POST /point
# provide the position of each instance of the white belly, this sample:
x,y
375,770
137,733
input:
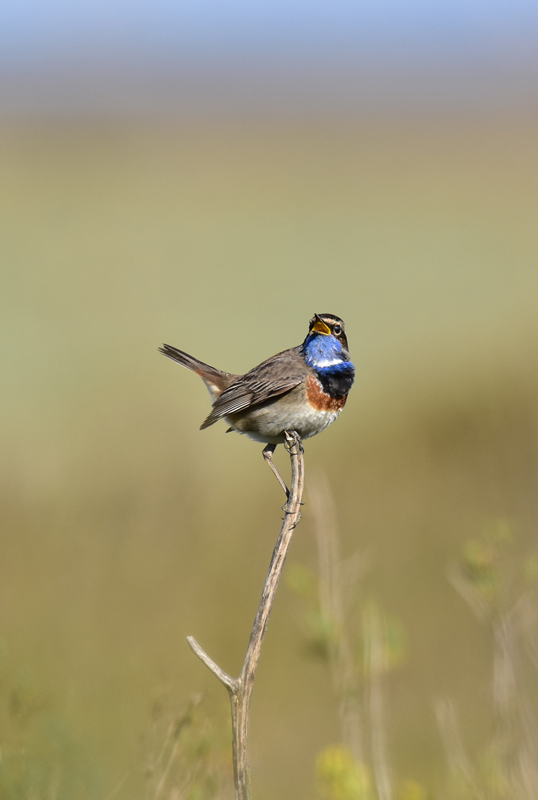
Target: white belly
x,y
267,424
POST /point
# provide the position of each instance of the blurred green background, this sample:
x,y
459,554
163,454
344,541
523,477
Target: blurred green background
x,y
125,529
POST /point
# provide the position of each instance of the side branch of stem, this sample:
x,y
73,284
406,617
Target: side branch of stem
x,y
240,689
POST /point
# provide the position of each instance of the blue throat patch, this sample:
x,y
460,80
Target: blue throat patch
x,y
325,354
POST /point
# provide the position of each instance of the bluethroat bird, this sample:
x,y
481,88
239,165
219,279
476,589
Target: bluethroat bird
x,y
303,389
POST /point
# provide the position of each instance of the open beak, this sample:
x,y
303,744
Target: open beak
x,y
320,327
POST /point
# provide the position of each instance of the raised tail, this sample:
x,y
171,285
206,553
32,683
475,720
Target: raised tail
x,y
215,379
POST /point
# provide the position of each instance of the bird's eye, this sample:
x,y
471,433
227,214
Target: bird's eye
x,y
337,330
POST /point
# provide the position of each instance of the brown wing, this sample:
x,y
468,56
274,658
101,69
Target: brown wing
x,y
274,377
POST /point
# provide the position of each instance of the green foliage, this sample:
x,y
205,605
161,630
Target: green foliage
x,y
383,631
341,777
184,755
487,780
411,790
493,570
40,757
530,570
495,580
324,634
483,560
302,581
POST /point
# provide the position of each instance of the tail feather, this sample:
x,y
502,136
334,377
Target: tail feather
x,y
215,379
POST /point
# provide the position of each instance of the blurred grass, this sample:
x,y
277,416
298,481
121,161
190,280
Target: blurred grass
x,y
125,529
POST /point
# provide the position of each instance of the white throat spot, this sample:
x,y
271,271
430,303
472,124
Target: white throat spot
x,y
327,362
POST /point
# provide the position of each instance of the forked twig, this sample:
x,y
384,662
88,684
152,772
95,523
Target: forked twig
x,y
240,689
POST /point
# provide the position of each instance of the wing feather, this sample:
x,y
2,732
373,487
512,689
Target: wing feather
x,y
274,377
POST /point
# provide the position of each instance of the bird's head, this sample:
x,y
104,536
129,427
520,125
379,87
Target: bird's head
x,y
328,325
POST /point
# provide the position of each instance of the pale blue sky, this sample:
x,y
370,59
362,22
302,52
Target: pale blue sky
x,y
48,28
68,54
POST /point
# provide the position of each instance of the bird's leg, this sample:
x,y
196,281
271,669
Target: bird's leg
x,y
267,453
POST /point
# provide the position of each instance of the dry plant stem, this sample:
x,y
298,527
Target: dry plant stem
x,y
240,689
377,666
337,583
